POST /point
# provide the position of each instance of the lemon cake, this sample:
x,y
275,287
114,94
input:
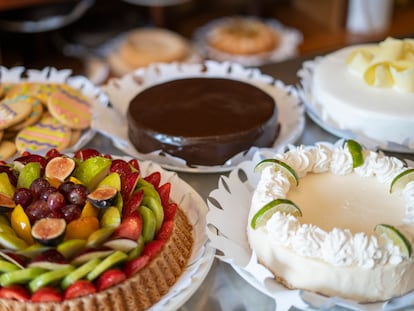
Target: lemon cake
x,y
336,220
372,92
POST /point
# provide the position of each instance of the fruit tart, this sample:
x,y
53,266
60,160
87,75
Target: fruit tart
x,y
87,232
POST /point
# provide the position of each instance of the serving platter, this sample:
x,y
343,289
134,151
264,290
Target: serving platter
x,y
229,206
111,120
289,40
21,74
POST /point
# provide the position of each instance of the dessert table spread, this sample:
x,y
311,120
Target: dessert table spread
x,y
223,288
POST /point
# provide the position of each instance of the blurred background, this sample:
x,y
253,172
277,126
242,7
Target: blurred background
x,y
68,33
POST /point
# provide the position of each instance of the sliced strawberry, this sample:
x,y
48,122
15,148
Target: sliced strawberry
x,y
152,248
165,230
164,192
135,265
107,155
110,278
84,154
154,178
134,201
52,153
135,164
47,294
129,184
15,292
121,167
169,211
79,288
130,227
25,153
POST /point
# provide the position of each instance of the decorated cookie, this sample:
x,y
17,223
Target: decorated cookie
x,y
7,149
74,137
70,108
14,110
32,118
45,134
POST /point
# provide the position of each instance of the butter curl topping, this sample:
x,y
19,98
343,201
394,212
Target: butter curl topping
x,y
389,64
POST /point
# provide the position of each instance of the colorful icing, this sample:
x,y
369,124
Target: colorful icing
x,y
45,134
70,108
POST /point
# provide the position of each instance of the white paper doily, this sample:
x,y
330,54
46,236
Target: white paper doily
x,y
53,75
111,121
314,111
202,256
290,39
229,206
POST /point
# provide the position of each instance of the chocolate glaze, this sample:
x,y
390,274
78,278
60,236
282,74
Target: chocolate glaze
x,y
205,121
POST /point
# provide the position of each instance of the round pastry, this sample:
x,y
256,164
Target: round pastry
x,y
339,220
87,233
242,36
361,98
204,121
145,46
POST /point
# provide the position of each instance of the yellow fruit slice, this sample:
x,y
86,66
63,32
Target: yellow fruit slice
x,y
278,205
81,228
401,180
280,165
21,224
396,237
355,149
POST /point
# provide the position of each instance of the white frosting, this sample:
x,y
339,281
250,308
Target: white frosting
x,y
336,196
382,114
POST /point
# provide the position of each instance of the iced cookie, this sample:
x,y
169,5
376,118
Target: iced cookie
x,y
45,134
32,118
7,149
14,110
70,108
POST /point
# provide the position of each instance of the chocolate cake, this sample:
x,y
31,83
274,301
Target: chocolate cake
x,y
204,121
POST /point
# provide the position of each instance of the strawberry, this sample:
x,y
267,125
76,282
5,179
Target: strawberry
x,y
134,163
47,294
165,230
110,278
154,178
152,248
121,167
84,154
131,206
135,265
129,228
129,184
53,153
15,292
79,288
164,192
169,211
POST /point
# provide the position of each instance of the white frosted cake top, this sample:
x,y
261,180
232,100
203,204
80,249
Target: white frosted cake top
x,y
346,196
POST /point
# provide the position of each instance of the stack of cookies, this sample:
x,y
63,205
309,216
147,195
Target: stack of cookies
x,y
37,116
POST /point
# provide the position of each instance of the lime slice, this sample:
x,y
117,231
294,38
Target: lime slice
x,y
401,180
282,166
355,149
396,237
279,205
